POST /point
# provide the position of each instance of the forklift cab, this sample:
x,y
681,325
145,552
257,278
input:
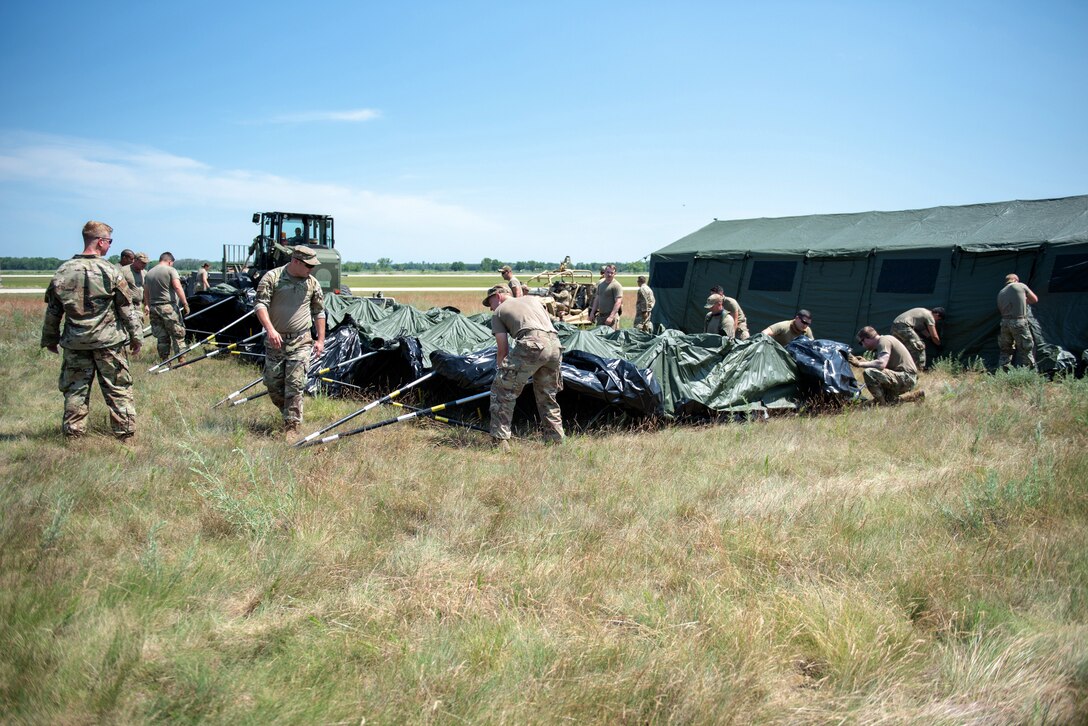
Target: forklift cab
x,y
282,231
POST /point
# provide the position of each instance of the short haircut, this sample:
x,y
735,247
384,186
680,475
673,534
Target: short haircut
x,y
802,313
1011,277
717,290
206,264
867,332
938,311
642,279
166,256
127,252
93,230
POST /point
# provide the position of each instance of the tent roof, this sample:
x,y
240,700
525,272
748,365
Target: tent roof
x,y
976,226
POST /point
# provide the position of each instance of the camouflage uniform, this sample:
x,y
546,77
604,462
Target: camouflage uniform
x,y
898,376
563,300
135,281
93,298
644,306
907,327
1015,336
535,353
166,324
292,303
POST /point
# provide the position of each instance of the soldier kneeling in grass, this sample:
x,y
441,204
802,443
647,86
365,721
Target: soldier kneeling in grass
x,y
892,374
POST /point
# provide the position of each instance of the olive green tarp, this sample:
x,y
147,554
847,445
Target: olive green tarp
x,y
697,373
852,270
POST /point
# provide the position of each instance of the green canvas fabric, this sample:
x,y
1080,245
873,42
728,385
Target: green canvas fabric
x,y
852,270
697,373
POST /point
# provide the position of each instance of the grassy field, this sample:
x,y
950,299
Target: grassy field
x,y
919,564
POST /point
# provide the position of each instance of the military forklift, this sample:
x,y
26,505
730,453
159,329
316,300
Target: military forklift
x,y
243,266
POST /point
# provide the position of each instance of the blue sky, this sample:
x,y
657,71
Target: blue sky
x,y
442,131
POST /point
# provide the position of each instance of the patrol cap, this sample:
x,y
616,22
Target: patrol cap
x,y
142,257
494,289
307,255
713,300
505,268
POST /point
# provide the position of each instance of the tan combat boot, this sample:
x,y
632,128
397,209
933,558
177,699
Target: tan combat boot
x,y
916,396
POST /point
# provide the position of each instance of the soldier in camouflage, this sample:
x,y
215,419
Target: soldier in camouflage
x,y
507,273
644,306
289,303
162,295
914,325
93,298
892,372
535,354
717,321
1015,339
133,273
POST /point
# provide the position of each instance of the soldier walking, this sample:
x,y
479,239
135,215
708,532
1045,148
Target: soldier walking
x,y
163,294
536,354
644,306
507,273
92,297
133,273
289,304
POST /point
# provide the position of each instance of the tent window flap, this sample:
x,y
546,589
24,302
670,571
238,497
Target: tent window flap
x,y
669,274
1070,274
772,275
915,277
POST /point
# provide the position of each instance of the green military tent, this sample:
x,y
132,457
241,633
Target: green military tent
x,y
852,270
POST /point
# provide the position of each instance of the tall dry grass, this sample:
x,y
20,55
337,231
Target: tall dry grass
x,y
917,564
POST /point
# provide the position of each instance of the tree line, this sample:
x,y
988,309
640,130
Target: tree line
x,y
383,264
487,264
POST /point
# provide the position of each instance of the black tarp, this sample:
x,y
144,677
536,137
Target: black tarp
x,y
823,371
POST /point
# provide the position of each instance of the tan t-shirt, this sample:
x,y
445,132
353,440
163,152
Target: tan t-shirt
x,y
784,333
899,359
292,302
732,306
519,315
607,294
159,284
1012,301
918,318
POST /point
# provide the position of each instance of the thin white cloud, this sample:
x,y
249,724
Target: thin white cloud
x,y
355,116
119,176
